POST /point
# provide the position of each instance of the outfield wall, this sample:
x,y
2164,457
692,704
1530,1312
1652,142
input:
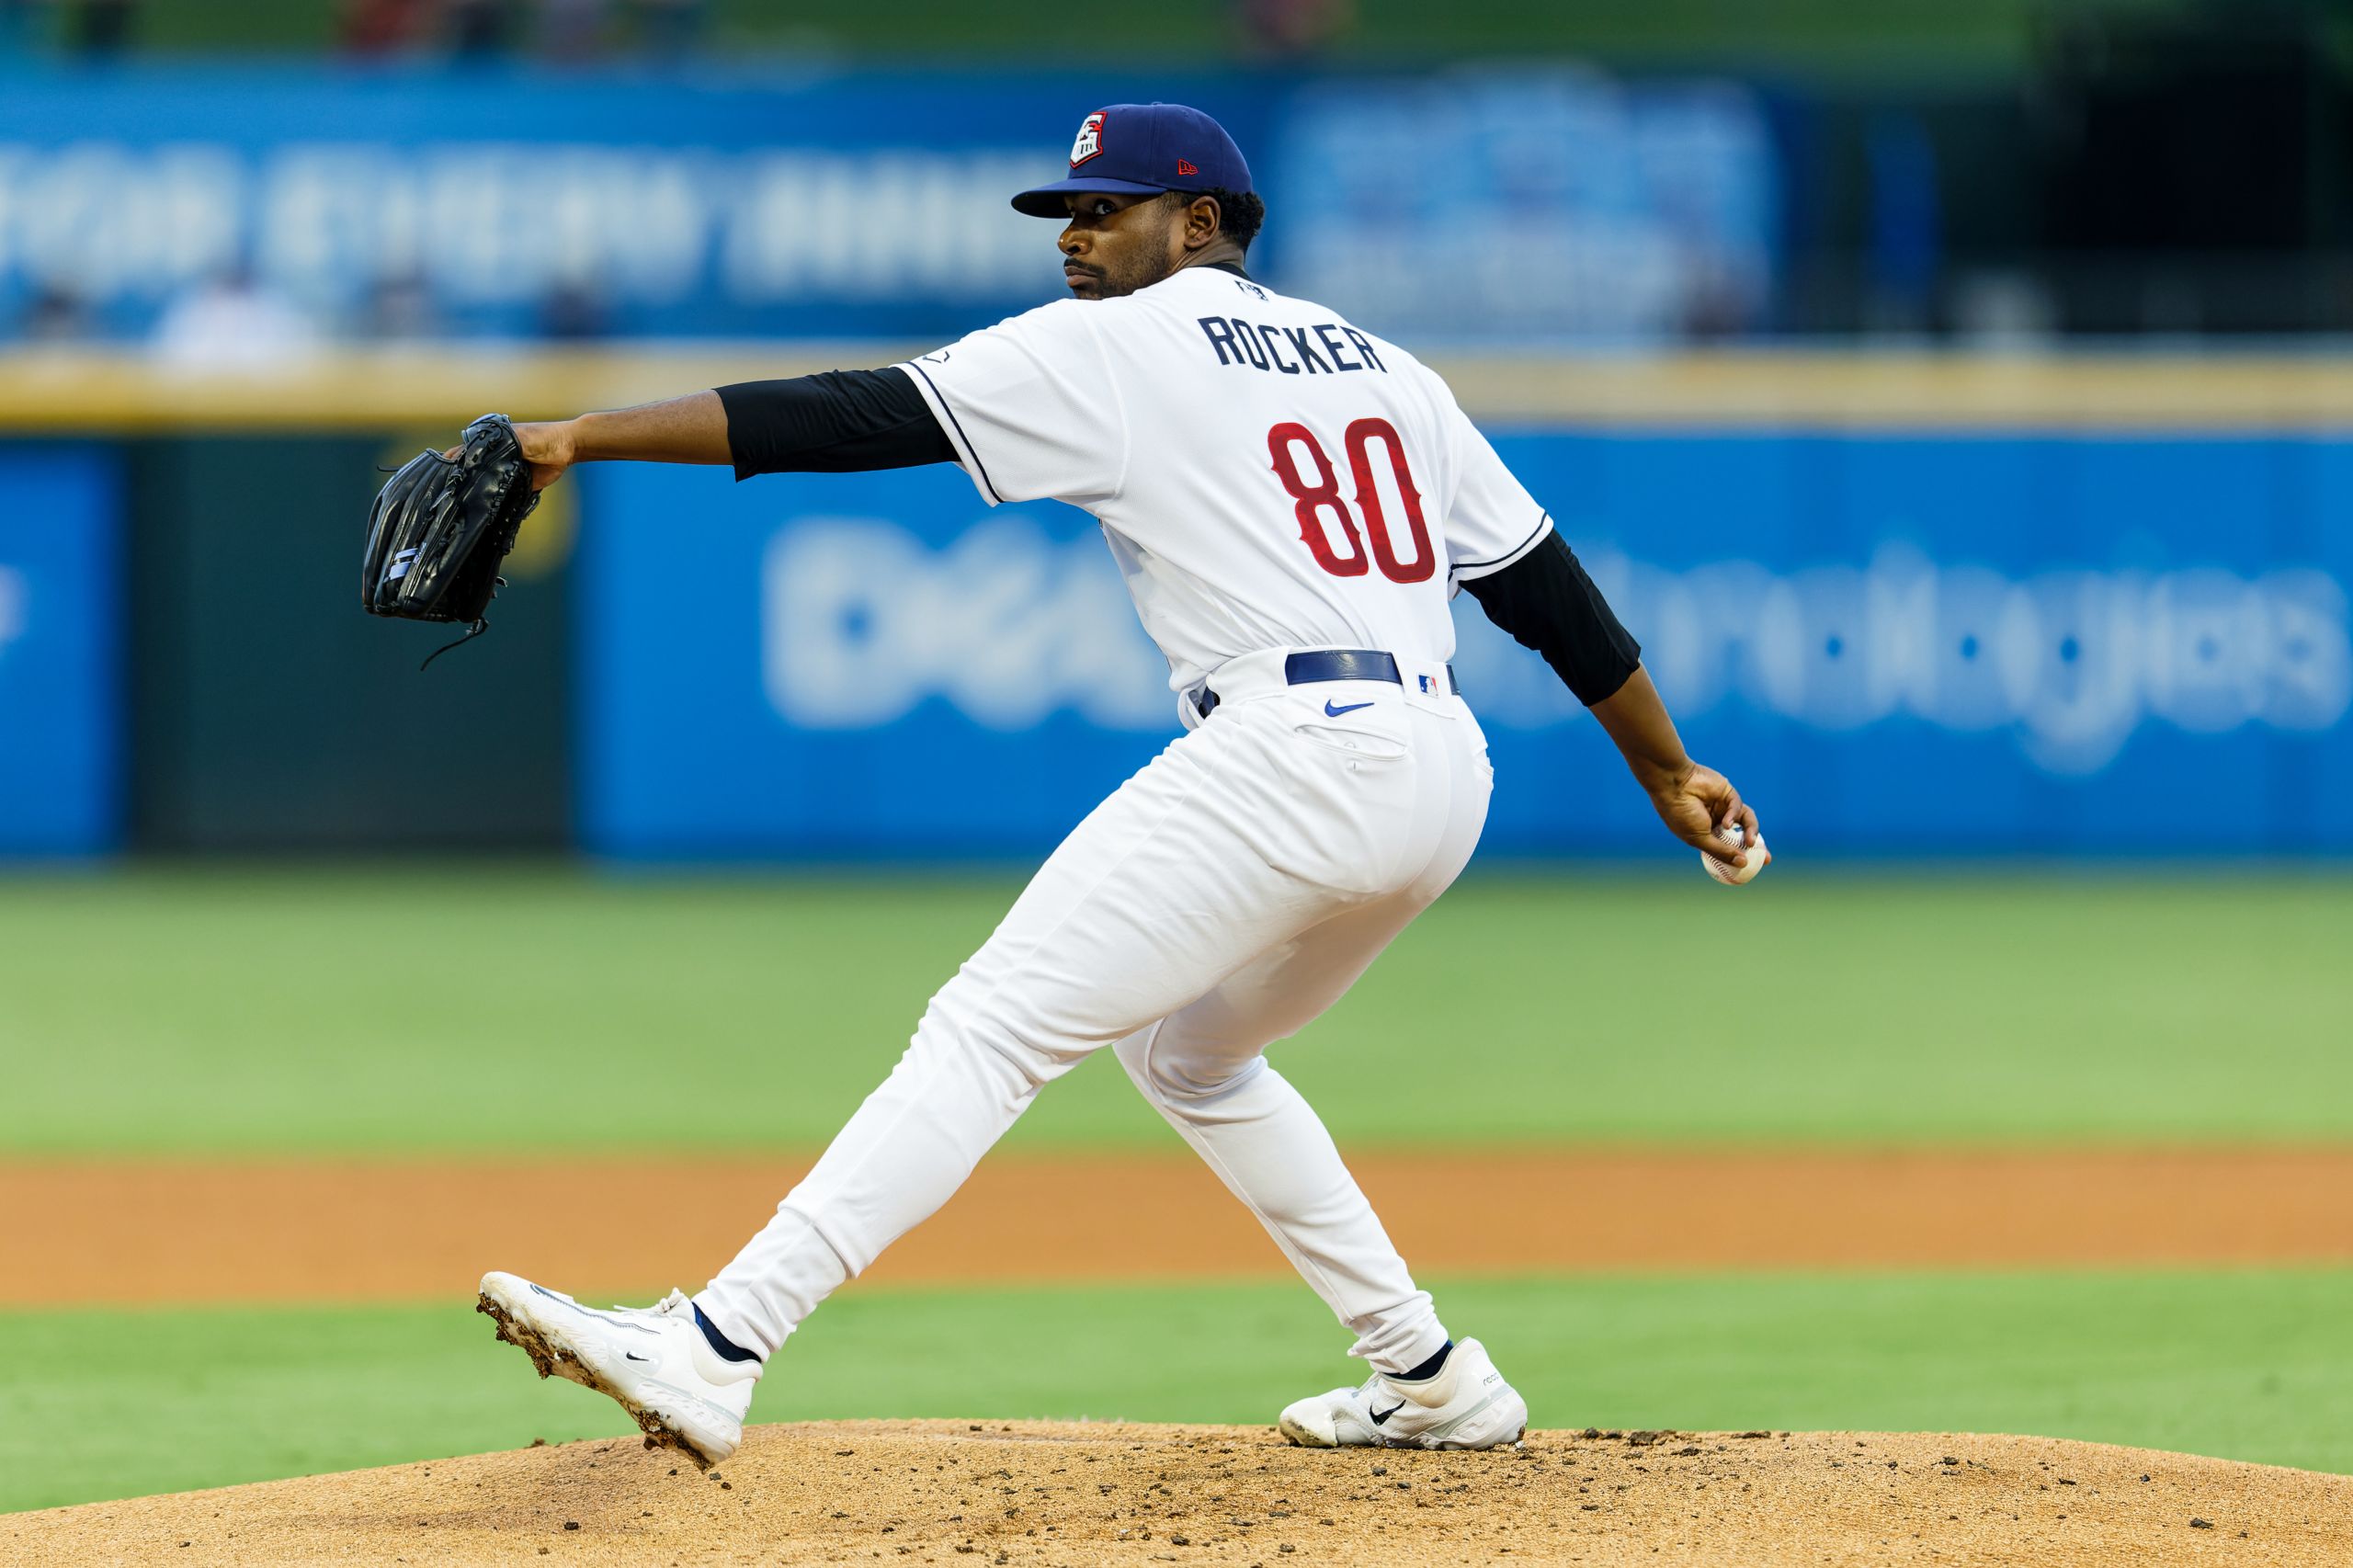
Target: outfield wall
x,y
2015,607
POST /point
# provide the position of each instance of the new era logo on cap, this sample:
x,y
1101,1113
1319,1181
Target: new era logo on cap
x,y
1184,169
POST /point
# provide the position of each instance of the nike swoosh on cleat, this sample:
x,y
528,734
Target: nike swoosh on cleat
x,y
633,1356
1332,712
1380,1416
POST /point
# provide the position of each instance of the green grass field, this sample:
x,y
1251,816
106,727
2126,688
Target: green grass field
x,y
2247,1366
335,1010
339,1011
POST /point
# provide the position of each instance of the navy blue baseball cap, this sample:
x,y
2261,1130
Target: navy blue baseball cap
x,y
1143,150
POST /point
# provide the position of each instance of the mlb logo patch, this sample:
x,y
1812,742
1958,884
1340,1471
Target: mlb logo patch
x,y
1090,140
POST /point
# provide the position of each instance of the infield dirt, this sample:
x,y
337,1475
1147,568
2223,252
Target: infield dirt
x,y
182,1231
1037,1493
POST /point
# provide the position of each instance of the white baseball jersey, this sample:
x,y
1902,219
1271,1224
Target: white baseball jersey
x,y
1267,474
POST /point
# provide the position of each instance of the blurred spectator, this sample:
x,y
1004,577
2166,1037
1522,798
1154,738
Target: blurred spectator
x,y
233,322
477,29
574,29
386,27
667,29
99,29
570,312
1715,306
56,315
2005,311
1292,26
398,309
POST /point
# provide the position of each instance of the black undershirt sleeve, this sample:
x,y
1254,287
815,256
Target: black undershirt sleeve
x,y
1546,602
838,422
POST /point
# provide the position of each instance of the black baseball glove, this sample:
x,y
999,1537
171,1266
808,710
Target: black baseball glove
x,y
441,525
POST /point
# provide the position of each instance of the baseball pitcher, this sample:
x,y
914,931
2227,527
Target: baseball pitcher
x,y
1293,501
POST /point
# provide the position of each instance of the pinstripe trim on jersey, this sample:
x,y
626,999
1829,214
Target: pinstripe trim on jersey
x,y
939,401
1465,571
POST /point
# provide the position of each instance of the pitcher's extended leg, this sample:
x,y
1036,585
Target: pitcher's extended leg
x,y
1158,895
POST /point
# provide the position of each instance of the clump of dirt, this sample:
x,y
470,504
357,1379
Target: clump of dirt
x,y
1044,1494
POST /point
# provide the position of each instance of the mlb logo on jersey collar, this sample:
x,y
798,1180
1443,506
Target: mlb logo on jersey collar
x,y
1143,150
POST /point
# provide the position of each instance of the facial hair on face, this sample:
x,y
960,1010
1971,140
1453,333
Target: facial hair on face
x,y
1136,273
1141,262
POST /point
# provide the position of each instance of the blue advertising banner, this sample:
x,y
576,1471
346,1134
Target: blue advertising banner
x,y
1510,204
1948,643
859,665
1959,643
60,789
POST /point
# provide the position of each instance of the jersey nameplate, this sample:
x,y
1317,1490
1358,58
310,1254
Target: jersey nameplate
x,y
1292,350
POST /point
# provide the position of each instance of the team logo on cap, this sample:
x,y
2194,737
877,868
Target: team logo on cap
x,y
1090,140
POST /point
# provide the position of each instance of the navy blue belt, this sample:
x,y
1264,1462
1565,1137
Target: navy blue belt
x,y
1334,663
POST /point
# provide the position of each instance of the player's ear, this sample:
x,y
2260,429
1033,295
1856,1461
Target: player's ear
x,y
1202,222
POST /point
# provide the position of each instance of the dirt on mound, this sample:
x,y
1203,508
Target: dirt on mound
x,y
1038,1494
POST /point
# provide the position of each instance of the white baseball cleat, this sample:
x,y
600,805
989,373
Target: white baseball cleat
x,y
654,1360
1467,1405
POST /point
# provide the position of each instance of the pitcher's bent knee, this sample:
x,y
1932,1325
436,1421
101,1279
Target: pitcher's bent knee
x,y
1161,1066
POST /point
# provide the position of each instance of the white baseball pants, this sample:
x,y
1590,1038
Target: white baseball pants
x,y
1218,900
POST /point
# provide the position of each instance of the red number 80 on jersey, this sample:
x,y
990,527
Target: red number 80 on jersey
x,y
1323,538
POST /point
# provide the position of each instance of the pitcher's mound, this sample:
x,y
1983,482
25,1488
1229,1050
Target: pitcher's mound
x,y
952,1491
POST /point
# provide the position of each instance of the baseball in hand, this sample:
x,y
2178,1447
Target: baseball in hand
x,y
1733,876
